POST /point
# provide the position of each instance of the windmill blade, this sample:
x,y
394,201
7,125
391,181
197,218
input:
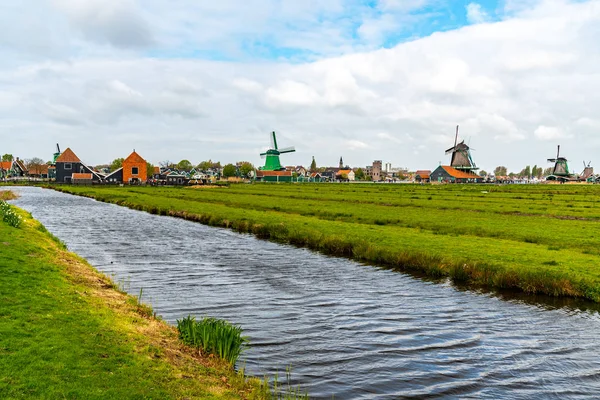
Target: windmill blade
x,y
273,141
552,160
287,150
263,155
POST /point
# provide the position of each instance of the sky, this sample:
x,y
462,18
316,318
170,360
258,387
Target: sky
x,y
360,79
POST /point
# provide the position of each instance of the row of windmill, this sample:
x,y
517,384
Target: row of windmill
x,y
461,159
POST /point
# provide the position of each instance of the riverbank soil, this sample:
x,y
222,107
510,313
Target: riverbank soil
x,y
66,331
532,238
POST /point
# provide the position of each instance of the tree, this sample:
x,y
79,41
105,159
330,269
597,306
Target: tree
x,y
500,171
540,172
359,175
116,164
204,165
527,172
548,171
184,165
149,169
246,168
483,173
534,171
167,164
313,165
229,170
7,157
34,165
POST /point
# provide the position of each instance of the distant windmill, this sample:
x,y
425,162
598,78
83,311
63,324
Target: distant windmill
x,y
561,169
57,154
588,170
461,155
271,156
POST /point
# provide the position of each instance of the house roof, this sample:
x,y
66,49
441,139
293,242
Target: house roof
x,y
157,170
423,172
6,165
134,158
39,169
315,174
459,174
81,176
114,172
344,171
20,164
260,173
67,156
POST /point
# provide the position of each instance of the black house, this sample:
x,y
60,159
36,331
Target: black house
x,y
68,164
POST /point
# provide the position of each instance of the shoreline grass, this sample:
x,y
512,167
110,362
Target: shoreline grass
x,y
65,331
539,240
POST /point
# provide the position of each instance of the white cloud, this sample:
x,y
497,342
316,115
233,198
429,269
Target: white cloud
x,y
550,133
475,14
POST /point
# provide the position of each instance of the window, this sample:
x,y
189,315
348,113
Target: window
x,y
68,166
134,170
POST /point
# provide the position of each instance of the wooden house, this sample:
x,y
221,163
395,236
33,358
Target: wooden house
x,y
114,177
68,164
446,173
12,169
176,179
422,175
274,176
345,175
134,169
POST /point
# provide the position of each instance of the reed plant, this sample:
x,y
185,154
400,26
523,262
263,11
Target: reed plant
x,y
213,336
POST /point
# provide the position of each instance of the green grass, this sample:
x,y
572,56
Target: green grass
x,y
538,239
65,332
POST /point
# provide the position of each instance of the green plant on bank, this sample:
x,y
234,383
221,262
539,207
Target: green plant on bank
x,y
9,215
213,336
481,235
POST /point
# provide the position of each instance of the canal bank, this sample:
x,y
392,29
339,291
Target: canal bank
x,y
66,330
349,330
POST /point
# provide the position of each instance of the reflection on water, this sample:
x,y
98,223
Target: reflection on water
x,y
347,329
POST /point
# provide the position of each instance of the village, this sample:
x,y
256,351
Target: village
x,y
67,167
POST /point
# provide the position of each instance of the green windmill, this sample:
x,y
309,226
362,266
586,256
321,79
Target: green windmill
x,y
271,156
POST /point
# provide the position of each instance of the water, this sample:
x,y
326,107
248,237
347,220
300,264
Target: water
x,y
349,330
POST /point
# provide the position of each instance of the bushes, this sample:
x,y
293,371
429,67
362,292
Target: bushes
x,y
213,336
8,215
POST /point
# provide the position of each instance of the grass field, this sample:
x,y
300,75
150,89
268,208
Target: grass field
x,y
538,239
66,332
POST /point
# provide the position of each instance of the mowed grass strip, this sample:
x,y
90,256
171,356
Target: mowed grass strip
x,y
535,253
65,332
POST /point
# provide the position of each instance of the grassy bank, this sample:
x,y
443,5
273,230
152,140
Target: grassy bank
x,y
538,239
66,332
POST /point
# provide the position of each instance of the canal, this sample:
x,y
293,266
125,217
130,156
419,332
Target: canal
x,y
349,330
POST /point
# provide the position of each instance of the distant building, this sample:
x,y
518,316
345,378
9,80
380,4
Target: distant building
x,y
274,176
134,169
375,171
